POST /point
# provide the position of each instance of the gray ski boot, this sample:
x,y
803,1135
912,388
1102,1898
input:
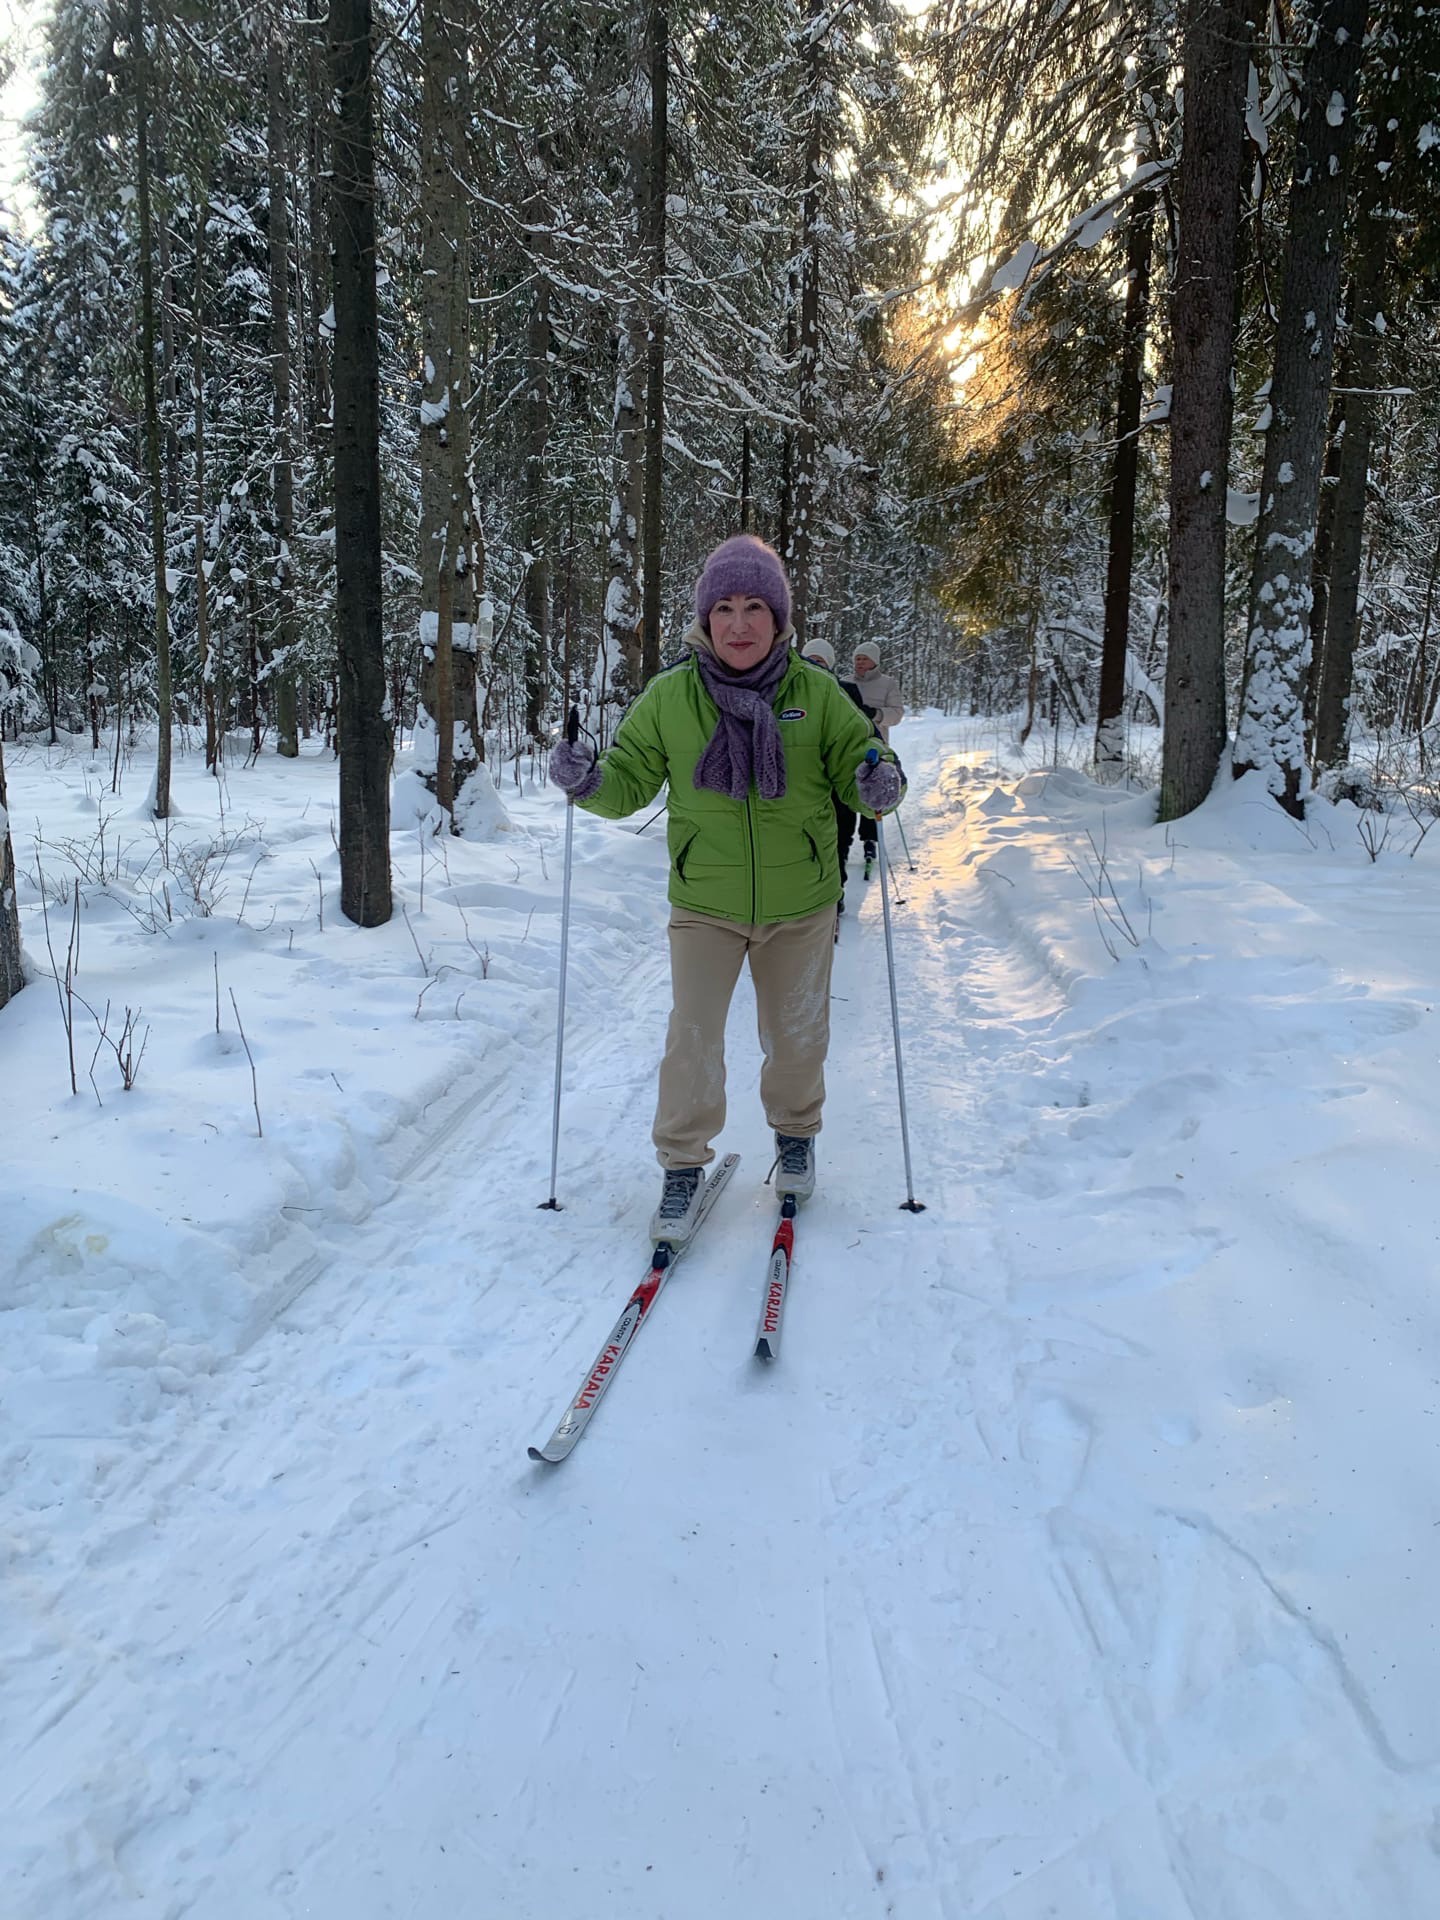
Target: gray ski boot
x,y
674,1218
794,1165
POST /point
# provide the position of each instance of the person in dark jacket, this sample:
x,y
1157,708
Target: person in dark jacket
x,y
820,653
754,745
881,695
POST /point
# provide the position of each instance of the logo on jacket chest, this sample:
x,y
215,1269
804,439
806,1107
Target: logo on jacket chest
x,y
792,713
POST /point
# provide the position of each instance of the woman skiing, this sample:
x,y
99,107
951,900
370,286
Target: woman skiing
x,y
754,744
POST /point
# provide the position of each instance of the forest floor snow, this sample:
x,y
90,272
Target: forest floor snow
x,y
1079,1557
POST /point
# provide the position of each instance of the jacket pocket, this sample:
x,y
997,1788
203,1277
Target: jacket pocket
x,y
682,853
814,850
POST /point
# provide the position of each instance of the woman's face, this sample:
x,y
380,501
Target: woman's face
x,y
742,630
864,664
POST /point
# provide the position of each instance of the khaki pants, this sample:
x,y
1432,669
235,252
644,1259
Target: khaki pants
x,y
790,964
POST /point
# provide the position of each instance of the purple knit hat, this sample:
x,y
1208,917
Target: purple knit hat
x,y
744,565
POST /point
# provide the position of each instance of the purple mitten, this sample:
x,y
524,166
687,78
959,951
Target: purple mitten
x,y
575,769
877,782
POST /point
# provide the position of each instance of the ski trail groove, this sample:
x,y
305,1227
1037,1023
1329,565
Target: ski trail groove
x,y
910,1629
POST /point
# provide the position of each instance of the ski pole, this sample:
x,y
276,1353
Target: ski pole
x,y
909,857
909,1204
572,734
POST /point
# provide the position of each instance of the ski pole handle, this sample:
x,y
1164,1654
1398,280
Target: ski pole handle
x,y
572,726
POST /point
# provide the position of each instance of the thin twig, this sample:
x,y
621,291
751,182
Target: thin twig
x,y
424,964
254,1080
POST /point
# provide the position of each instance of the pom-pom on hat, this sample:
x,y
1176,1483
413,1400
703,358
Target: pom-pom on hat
x,y
867,650
740,566
820,650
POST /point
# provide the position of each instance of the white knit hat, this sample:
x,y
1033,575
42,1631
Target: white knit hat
x,y
867,650
819,650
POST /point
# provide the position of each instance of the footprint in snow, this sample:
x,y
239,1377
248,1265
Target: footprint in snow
x,y
1055,1439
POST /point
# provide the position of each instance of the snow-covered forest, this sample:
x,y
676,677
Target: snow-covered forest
x,y
374,380
910,294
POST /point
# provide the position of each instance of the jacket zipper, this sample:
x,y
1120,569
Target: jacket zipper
x,y
754,873
750,830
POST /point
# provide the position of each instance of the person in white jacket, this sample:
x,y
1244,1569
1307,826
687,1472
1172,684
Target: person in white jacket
x,y
880,694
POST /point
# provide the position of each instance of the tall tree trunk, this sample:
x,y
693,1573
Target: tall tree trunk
x,y
287,740
1324,553
1270,734
1426,683
442,689
537,524
465,534
446,582
1032,679
567,665
141,59
624,590
94,685
786,479
43,637
318,398
624,609
1120,564
363,732
624,615
257,695
1341,624
478,361
202,582
657,187
747,504
1216,43
168,389
803,485
538,216
12,974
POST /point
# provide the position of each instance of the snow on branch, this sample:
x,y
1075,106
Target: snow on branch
x,y
1084,231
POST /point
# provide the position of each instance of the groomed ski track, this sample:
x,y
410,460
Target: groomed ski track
x,y
898,1627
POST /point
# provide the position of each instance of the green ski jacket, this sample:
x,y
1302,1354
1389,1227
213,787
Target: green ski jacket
x,y
754,860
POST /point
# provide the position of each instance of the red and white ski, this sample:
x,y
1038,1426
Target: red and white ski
x,y
577,1416
777,1283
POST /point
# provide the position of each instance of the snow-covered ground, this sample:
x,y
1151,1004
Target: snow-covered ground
x,y
1079,1558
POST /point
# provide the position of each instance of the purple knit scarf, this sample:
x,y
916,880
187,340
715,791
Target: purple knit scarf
x,y
746,742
